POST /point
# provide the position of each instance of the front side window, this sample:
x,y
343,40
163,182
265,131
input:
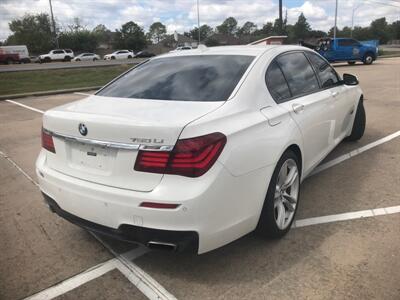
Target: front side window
x,y
298,73
184,78
277,84
348,42
325,72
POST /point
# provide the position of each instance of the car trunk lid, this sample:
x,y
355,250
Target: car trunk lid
x,y
116,128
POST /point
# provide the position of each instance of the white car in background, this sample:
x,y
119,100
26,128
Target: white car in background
x,y
194,149
86,57
57,55
120,54
181,48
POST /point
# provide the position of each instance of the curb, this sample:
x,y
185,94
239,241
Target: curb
x,y
52,92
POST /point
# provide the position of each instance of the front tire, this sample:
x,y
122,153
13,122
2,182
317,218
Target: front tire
x,y
368,59
351,63
358,129
281,203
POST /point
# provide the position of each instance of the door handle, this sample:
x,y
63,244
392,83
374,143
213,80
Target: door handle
x,y
298,108
335,93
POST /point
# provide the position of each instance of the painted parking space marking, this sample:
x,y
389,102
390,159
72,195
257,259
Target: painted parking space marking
x,y
353,153
347,216
75,281
25,106
82,94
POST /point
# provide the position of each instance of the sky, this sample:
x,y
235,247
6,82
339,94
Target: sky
x,y
181,15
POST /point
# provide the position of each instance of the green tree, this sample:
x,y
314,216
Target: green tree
x,y
81,40
394,30
301,29
379,30
156,32
130,36
229,26
248,28
34,31
205,32
102,33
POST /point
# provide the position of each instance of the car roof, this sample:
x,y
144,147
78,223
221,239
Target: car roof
x,y
251,50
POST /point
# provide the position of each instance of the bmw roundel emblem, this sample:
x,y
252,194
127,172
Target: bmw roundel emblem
x,y
82,129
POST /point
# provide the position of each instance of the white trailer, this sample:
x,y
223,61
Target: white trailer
x,y
21,50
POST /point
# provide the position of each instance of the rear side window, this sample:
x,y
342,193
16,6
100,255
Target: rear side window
x,y
347,42
325,72
184,78
276,83
298,73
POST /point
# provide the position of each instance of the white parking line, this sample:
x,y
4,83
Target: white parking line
x,y
25,106
75,281
82,94
353,153
348,216
2,154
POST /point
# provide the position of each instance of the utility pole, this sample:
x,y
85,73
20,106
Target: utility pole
x,y
334,28
54,24
198,19
280,18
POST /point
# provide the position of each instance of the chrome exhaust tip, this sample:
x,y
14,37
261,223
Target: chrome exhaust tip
x,y
162,246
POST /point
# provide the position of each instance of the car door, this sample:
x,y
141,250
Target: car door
x,y
348,49
59,54
310,106
342,105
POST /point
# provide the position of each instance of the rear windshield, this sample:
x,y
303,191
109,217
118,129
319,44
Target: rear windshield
x,y
185,78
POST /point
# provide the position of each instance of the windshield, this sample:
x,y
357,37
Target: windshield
x,y
185,78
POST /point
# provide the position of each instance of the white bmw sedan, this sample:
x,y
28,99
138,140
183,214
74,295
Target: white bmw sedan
x,y
194,149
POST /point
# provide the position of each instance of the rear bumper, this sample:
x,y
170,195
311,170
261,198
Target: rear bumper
x,y
214,209
183,240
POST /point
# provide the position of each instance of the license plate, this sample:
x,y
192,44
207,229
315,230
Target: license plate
x,y
85,156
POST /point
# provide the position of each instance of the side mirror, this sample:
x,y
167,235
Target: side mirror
x,y
349,79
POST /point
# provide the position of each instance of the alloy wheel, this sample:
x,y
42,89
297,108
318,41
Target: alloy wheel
x,y
286,194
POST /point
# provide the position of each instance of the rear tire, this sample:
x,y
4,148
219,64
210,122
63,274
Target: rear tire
x,y
283,194
359,123
129,56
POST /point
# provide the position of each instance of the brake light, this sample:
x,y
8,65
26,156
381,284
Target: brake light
x,y
190,157
47,141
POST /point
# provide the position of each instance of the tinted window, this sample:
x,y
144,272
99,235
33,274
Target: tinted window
x,y
58,51
325,72
298,73
348,42
276,83
185,78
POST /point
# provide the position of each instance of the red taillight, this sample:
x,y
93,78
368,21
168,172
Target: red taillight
x,y
47,141
190,157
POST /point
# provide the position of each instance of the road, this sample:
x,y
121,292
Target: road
x,y
67,65
351,252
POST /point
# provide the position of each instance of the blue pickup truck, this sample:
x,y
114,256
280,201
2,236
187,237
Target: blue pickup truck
x,y
347,49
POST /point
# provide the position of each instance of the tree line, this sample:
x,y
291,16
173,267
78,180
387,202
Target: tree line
x,y
35,32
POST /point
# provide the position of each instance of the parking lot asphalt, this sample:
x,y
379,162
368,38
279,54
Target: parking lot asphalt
x,y
355,258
